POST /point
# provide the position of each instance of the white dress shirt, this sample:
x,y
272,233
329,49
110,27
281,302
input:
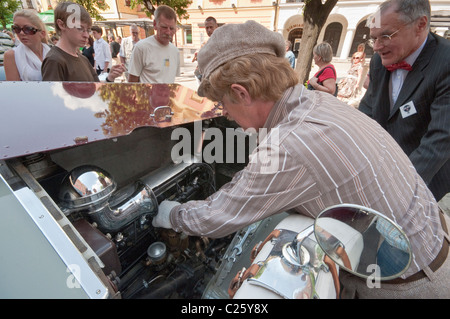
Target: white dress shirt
x,y
398,76
102,53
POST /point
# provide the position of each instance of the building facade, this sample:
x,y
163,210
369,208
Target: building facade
x,y
344,30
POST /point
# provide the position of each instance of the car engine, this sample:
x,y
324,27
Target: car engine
x,y
104,188
139,259
114,214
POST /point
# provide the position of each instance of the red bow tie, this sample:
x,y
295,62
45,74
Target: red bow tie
x,y
401,65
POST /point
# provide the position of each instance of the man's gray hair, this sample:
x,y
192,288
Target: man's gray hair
x,y
166,11
409,10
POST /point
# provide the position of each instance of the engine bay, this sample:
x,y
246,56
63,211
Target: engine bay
x,y
101,163
113,212
139,259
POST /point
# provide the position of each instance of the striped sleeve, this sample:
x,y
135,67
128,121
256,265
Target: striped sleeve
x,y
258,191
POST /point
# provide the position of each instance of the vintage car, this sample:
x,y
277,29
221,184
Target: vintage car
x,y
83,168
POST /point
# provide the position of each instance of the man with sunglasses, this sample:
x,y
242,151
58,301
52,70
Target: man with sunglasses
x,y
409,90
65,62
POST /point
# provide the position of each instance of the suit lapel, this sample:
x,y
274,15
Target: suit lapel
x,y
415,77
384,98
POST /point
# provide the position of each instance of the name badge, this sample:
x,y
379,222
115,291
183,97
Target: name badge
x,y
408,109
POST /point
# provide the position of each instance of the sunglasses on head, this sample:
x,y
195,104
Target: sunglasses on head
x,y
26,29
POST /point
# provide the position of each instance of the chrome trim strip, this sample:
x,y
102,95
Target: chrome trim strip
x,y
58,239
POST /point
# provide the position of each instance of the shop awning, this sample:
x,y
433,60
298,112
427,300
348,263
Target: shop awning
x,y
48,17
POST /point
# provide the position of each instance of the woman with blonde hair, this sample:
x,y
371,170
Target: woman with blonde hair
x,y
23,63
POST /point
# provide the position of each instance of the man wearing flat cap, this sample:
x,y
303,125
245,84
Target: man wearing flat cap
x,y
318,152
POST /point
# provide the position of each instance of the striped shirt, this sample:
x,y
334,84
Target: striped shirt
x,y
5,44
327,153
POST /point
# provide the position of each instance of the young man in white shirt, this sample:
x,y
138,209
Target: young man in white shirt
x,y
102,51
155,59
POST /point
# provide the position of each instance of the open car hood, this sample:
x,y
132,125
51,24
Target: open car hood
x,y
43,116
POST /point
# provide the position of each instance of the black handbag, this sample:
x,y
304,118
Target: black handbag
x,y
309,87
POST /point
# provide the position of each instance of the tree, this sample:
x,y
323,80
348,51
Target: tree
x,y
93,7
315,14
7,9
178,5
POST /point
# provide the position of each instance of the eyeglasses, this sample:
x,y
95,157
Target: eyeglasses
x,y
82,30
384,39
28,30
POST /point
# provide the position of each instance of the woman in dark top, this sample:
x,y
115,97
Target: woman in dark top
x,y
88,50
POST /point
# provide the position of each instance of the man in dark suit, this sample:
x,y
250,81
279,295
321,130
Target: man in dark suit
x,y
412,103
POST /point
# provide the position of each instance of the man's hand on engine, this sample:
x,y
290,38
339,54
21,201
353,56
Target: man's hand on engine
x,y
162,219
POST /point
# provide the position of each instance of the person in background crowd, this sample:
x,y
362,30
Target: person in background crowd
x,y
156,59
88,51
289,54
349,85
102,51
54,39
65,62
115,49
317,152
127,46
361,52
23,63
210,26
119,40
6,43
325,79
409,88
15,39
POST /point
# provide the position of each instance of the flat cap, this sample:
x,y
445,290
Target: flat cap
x,y
234,40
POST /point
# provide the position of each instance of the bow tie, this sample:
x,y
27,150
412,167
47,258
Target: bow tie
x,y
401,65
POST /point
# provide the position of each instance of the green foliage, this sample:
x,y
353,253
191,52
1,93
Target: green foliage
x,y
93,7
7,9
131,105
180,6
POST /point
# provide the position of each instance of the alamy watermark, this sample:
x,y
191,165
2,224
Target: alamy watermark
x,y
214,145
74,19
374,21
74,273
373,281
